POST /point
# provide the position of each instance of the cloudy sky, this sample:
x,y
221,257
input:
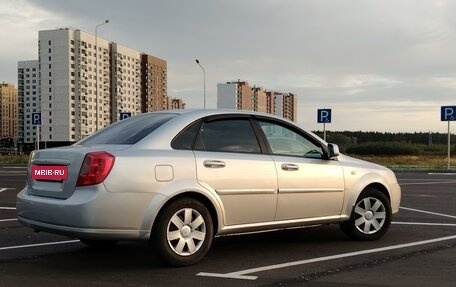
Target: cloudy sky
x,y
386,65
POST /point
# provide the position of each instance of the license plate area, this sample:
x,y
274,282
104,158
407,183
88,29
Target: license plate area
x,y
56,173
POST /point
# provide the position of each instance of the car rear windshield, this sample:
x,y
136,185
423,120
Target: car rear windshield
x,y
128,131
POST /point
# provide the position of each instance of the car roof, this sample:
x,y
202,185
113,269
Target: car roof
x,y
210,112
164,134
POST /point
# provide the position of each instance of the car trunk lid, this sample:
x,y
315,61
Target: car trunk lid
x,y
69,158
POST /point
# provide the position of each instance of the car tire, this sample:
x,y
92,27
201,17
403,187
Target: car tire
x,y
99,244
370,217
183,232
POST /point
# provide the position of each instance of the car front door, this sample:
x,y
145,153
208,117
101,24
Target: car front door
x,y
230,161
310,186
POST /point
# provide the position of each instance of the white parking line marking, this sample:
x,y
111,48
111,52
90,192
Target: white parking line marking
x,y
429,182
419,179
241,274
423,223
427,212
11,167
38,244
444,173
5,220
5,189
7,208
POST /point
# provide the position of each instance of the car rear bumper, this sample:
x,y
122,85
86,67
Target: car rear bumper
x,y
90,213
86,233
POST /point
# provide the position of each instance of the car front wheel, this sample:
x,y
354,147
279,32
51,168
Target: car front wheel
x,y
370,218
183,232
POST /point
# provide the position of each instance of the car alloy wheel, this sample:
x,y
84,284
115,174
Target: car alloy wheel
x,y
183,232
370,214
186,231
370,217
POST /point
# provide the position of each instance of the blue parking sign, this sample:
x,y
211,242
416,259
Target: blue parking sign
x,y
323,116
448,113
125,115
36,119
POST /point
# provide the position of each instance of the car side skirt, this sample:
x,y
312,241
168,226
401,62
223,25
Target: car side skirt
x,y
283,224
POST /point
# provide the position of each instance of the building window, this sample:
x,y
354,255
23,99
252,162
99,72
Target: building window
x,y
49,44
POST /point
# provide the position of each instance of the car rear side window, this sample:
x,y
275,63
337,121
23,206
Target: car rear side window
x,y
185,139
228,135
128,131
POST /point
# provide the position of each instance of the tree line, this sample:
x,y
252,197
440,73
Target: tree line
x,y
385,143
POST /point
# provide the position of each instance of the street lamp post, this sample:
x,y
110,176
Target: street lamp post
x,y
204,82
96,69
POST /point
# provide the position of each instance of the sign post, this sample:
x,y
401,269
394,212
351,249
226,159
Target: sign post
x,y
324,117
448,114
36,121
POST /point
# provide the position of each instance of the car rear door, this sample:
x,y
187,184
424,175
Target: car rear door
x,y
230,161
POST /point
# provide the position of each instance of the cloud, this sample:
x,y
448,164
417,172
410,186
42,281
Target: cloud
x,y
341,54
20,22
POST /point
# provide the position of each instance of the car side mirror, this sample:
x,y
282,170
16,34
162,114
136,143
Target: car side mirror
x,y
333,151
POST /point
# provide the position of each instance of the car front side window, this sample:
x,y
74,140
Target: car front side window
x,y
285,141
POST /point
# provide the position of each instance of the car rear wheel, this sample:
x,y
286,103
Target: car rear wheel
x,y
183,232
370,218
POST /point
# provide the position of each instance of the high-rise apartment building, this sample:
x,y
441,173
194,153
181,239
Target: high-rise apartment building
x,y
260,100
154,84
29,101
285,105
8,110
83,83
234,95
126,81
70,106
177,104
239,95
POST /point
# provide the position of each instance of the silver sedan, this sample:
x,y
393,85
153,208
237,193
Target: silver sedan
x,y
179,178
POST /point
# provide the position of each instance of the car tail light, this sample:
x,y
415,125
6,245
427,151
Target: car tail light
x,y
95,168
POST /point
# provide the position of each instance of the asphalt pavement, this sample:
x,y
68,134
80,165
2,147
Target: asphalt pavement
x,y
418,250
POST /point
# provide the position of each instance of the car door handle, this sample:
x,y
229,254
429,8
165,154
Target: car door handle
x,y
290,166
214,163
